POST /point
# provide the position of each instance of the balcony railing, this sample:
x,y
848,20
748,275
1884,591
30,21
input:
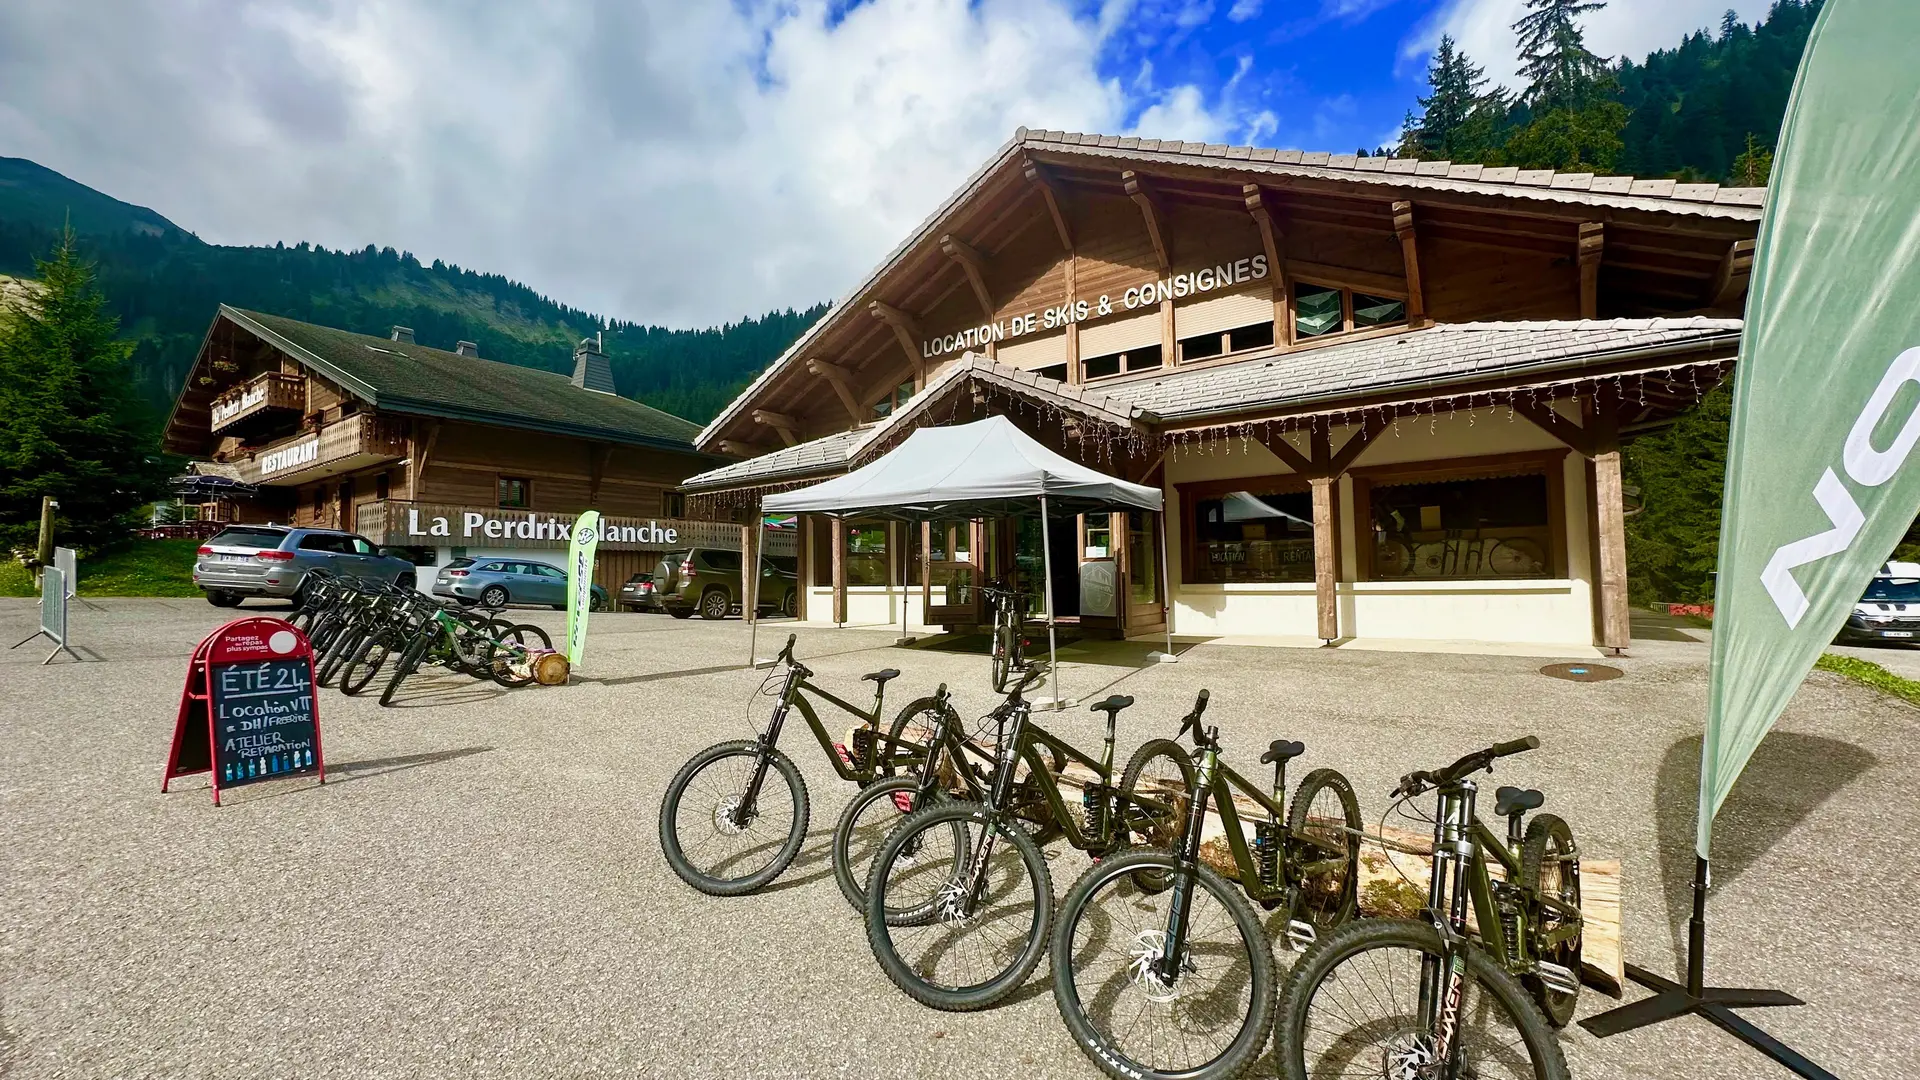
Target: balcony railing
x,y
345,445
269,390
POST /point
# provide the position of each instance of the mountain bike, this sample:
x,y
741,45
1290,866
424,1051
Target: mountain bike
x,y
470,644
964,941
1422,999
1181,984
734,816
1009,628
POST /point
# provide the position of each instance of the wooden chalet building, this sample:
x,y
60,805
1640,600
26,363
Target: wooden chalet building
x,y
1384,398
439,452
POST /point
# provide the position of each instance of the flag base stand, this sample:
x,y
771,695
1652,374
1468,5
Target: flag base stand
x,y
1712,1003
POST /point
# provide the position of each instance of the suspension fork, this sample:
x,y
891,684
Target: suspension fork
x,y
1444,977
763,757
1186,870
997,800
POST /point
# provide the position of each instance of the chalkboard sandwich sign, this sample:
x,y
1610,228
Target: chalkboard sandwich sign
x,y
248,711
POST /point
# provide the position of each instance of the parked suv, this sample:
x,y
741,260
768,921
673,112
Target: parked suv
x,y
707,580
637,594
499,582
274,560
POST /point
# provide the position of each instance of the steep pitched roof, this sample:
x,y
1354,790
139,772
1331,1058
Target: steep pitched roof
x,y
1622,192
406,378
1431,359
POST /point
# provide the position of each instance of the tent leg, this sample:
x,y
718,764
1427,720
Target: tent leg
x,y
1166,586
1046,561
750,610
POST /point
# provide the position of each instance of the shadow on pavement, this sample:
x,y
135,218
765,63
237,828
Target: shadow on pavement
x,y
1789,777
360,770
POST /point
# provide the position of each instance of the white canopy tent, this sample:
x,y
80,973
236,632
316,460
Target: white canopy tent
x,y
989,468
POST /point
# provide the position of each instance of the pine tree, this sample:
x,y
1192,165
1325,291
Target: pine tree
x,y
1456,83
1560,72
1753,166
70,426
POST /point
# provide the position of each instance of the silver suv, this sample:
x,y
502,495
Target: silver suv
x,y
274,560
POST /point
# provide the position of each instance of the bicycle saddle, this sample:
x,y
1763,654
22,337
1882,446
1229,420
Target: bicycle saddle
x,y
1282,750
1112,705
1509,801
882,676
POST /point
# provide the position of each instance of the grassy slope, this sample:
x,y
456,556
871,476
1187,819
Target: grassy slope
x,y
143,568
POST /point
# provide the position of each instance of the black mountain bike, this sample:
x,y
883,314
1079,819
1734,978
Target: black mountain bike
x,y
1179,983
962,941
1423,1000
1009,629
735,815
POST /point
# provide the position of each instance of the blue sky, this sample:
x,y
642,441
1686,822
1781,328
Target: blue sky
x,y
686,163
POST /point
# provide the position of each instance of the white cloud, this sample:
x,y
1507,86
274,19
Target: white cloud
x,y
1242,10
658,161
1632,28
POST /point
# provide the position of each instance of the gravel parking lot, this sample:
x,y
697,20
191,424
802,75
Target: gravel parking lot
x,y
478,890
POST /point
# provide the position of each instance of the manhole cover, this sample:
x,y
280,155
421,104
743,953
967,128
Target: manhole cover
x,y
1581,672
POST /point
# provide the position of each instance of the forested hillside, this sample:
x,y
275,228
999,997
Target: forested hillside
x,y
165,284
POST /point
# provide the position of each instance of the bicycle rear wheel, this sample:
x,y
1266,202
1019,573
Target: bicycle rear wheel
x,y
714,842
366,664
406,665
864,826
1210,1020
1550,864
958,942
1351,1007
1323,827
1161,776
1003,646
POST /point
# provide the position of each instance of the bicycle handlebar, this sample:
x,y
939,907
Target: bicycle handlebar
x,y
1192,720
1415,783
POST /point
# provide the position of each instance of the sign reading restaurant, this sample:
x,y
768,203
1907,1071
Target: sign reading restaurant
x,y
302,453
1176,287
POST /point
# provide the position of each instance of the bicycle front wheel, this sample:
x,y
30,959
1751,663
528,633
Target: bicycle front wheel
x,y
964,941
1352,1007
1003,645
713,839
1209,1019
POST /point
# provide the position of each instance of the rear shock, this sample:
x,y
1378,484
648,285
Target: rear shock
x,y
1266,851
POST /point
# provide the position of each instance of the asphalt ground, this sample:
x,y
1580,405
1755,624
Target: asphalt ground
x,y
478,890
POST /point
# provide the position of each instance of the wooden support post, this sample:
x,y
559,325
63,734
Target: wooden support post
x,y
1591,245
839,571
1410,254
1136,188
787,426
1729,287
1073,328
974,265
1326,552
1272,241
598,457
749,563
43,551
907,332
417,468
1610,525
1039,179
1171,347
842,382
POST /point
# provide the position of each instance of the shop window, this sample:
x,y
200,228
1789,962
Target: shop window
x,y
516,493
1496,527
1143,558
1252,336
673,504
1257,534
1136,359
1099,536
888,405
1321,310
866,553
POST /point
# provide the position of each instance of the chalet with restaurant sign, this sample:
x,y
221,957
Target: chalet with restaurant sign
x,y
1384,398
443,453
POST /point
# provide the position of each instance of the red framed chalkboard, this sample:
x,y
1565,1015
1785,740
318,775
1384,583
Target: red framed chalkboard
x,y
248,711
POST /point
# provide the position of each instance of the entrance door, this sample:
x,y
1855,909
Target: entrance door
x,y
951,589
1144,574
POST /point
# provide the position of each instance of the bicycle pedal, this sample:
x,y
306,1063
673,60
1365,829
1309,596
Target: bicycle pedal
x,y
1300,935
1558,979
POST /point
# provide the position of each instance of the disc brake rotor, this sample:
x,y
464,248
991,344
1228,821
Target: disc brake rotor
x,y
1408,1056
1144,967
726,817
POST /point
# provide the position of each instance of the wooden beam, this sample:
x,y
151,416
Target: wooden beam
x,y
1272,241
1325,557
1355,445
417,468
597,459
1364,280
1589,247
1610,528
1410,254
787,426
974,265
739,449
841,381
1038,178
1136,188
1730,281
839,541
1293,459
907,332
1549,420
